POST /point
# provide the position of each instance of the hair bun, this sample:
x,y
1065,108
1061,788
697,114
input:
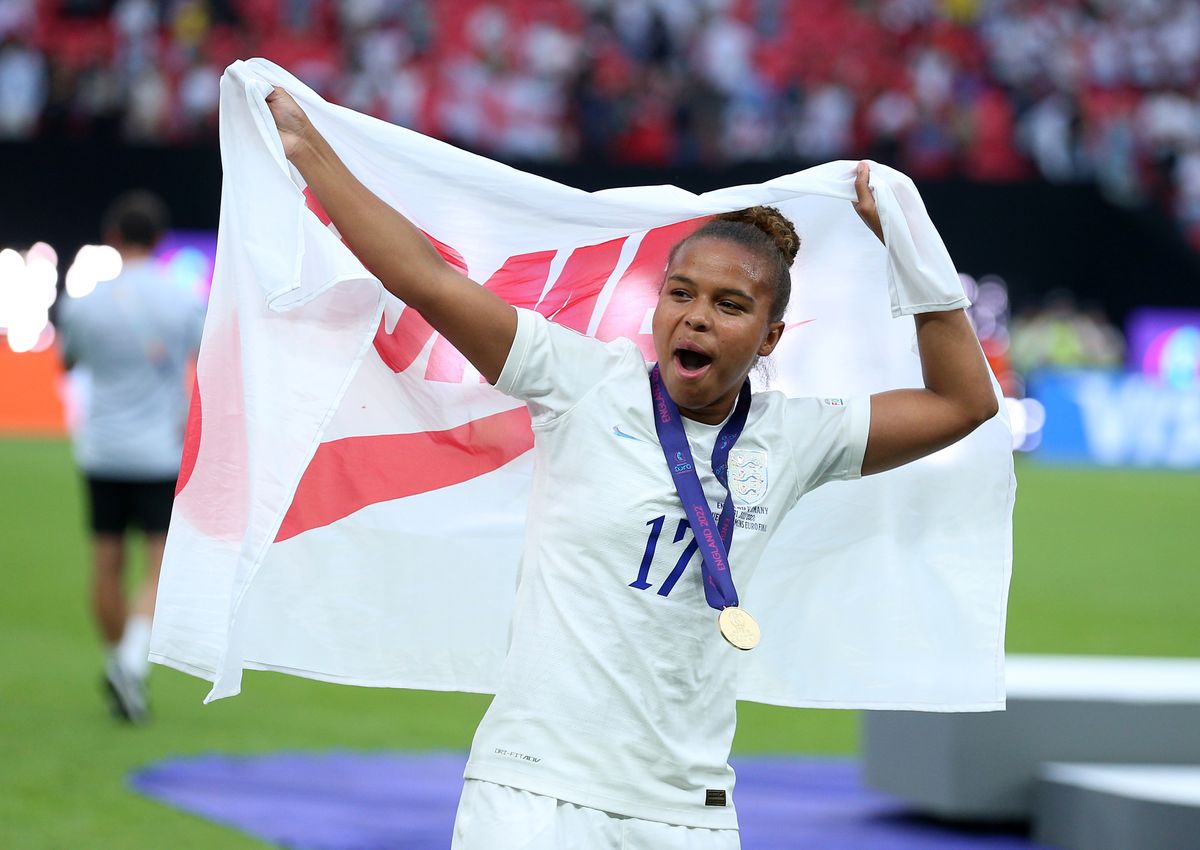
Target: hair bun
x,y
772,222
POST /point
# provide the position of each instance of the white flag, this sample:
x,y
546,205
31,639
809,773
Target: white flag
x,y
352,497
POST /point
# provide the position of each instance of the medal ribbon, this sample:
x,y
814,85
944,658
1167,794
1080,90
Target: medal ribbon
x,y
714,539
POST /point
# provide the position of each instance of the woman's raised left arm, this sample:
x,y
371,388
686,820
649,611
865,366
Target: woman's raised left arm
x,y
957,398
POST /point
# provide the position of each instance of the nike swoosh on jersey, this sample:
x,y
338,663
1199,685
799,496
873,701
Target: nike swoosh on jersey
x,y
617,432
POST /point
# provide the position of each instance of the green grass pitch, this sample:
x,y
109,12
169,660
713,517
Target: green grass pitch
x,y
1105,562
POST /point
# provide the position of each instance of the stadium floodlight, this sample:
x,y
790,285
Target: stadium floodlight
x,y
93,263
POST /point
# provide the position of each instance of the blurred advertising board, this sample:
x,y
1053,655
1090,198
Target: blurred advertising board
x,y
1164,343
188,258
1116,418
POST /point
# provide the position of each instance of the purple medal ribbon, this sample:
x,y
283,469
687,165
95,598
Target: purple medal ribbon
x,y
714,547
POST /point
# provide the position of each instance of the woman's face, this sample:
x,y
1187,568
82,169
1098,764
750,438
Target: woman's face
x,y
712,320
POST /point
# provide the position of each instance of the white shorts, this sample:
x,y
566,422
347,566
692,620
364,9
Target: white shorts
x,y
499,817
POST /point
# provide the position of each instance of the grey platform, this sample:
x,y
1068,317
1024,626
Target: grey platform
x,y
1118,807
1060,709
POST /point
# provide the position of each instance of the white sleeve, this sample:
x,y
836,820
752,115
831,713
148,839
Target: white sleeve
x,y
828,438
551,368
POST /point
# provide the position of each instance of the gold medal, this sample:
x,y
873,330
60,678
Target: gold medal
x,y
739,628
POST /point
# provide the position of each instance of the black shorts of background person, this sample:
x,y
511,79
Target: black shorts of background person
x,y
119,505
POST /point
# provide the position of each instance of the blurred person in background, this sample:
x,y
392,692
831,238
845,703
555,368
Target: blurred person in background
x,y
22,88
136,336
1064,335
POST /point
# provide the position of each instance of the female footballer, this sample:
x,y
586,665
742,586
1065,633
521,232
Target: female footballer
x,y
615,715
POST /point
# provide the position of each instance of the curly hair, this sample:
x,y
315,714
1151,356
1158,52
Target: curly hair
x,y
765,231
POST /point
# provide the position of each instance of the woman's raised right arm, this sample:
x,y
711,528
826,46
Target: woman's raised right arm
x,y
475,321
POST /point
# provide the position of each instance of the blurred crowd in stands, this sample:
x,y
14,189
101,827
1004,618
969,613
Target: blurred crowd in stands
x,y
993,90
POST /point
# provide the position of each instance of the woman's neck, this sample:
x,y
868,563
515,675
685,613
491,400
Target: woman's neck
x,y
714,413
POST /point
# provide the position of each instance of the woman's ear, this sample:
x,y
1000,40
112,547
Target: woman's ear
x,y
774,332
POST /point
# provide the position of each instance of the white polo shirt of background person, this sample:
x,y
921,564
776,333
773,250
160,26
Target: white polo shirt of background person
x,y
135,336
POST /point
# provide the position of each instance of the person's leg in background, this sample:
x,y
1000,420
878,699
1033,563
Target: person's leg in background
x,y
109,508
108,599
134,649
151,503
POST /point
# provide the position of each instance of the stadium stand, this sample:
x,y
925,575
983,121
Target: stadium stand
x,y
993,90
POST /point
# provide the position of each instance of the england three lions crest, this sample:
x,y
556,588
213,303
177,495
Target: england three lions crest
x,y
748,475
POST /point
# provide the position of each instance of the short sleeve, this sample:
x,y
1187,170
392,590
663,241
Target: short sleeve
x,y
551,368
828,438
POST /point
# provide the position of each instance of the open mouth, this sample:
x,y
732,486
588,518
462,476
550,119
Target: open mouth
x,y
691,364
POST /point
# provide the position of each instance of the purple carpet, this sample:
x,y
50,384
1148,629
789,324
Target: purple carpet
x,y
402,801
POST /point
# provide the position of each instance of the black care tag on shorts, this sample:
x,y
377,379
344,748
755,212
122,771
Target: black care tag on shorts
x,y
714,798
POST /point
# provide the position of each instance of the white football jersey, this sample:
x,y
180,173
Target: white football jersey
x,y
618,692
